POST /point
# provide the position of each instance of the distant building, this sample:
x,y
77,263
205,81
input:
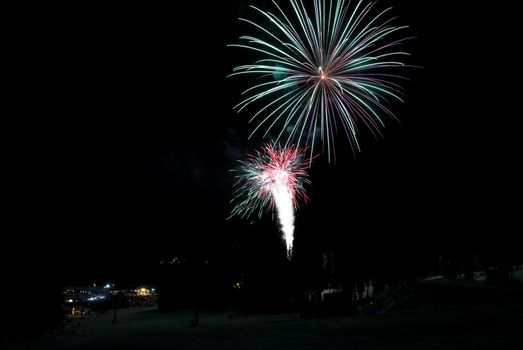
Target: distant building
x,y
84,294
143,292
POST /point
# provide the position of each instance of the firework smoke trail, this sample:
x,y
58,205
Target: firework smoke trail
x,y
323,68
272,179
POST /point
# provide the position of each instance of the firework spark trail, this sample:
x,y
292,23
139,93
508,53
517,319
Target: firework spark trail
x,y
283,200
272,179
322,69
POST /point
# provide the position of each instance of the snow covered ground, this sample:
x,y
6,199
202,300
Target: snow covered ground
x,y
478,327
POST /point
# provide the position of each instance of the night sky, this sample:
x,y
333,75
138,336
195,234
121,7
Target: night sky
x,y
125,136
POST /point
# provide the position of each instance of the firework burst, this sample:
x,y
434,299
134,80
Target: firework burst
x,y
272,179
321,73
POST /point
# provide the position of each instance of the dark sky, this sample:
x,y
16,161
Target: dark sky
x,y
125,134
